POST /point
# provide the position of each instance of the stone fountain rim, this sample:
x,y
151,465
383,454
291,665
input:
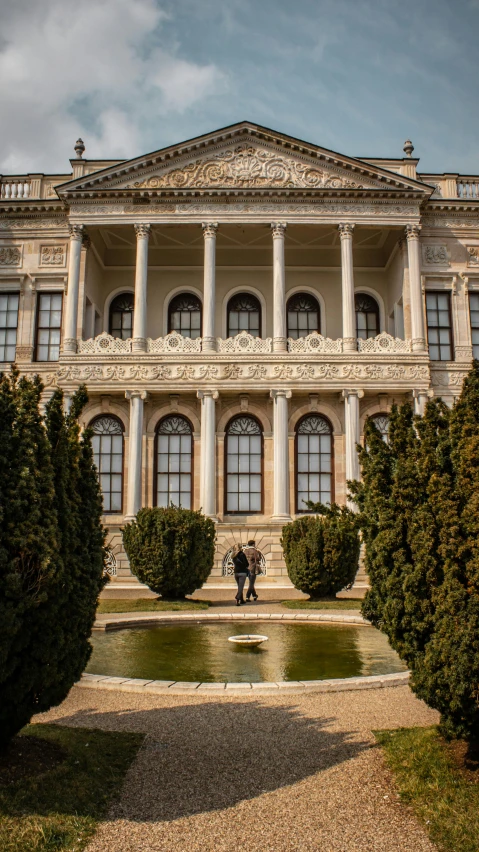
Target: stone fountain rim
x,y
158,687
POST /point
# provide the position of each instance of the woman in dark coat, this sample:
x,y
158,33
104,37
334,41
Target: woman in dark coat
x,y
240,563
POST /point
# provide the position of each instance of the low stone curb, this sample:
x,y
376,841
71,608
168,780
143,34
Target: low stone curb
x,y
91,681
139,620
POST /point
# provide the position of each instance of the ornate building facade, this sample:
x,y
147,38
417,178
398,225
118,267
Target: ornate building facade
x,y
237,305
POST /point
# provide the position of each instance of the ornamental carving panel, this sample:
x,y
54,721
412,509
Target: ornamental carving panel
x,y
173,343
105,344
244,342
435,254
10,256
32,224
314,342
384,343
52,256
473,255
247,166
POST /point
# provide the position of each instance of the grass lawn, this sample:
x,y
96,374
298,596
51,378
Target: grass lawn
x,y
329,604
57,782
440,785
149,605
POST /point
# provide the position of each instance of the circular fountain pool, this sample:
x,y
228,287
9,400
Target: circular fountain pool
x,y
202,652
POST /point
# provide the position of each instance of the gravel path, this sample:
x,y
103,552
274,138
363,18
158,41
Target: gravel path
x,y
259,774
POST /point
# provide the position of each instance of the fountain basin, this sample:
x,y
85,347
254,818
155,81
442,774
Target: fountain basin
x,y
249,640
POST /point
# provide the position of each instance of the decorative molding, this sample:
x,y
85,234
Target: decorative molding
x,y
244,342
384,343
443,222
473,255
33,224
172,343
52,255
435,254
248,166
11,256
105,344
314,342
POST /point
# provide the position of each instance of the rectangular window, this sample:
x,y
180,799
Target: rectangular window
x,y
8,325
439,331
474,311
49,323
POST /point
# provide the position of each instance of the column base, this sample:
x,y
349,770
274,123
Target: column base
x,y
127,519
350,344
138,344
208,344
419,344
281,519
69,345
280,344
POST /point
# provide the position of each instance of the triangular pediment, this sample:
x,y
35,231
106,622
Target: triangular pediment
x,y
241,157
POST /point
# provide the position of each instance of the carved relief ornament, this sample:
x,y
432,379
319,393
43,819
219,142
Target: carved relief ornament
x,y
52,256
435,254
247,166
473,255
10,256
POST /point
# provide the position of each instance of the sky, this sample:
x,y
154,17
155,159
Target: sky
x,y
133,76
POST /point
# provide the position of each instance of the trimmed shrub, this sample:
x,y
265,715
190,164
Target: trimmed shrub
x,y
171,550
50,571
322,551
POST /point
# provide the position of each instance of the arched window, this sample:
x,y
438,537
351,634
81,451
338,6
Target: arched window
x,y
303,315
174,462
244,446
121,316
314,461
367,316
107,444
184,315
381,422
244,314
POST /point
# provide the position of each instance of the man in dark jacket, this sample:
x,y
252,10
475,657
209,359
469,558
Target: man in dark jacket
x,y
240,563
254,563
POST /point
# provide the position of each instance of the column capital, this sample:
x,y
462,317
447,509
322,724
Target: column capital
x,y
203,394
413,231
136,394
76,232
278,229
346,230
345,394
209,229
274,394
142,230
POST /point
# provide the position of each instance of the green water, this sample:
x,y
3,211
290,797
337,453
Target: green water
x,y
201,652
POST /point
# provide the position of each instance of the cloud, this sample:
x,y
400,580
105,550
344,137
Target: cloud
x,y
101,69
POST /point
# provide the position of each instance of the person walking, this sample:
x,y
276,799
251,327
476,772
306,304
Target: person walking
x,y
254,564
240,563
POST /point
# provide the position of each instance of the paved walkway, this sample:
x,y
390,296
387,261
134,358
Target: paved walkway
x,y
260,774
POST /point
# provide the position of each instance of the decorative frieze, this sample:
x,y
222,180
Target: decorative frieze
x,y
33,224
11,256
52,255
435,254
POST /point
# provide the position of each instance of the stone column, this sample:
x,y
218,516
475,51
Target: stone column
x,y
351,418
71,308
279,283
420,399
281,511
209,286
141,280
417,309
133,500
350,343
208,452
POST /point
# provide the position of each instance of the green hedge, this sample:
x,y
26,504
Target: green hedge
x,y
170,550
322,551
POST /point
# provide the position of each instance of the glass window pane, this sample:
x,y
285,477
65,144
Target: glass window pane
x,y
232,503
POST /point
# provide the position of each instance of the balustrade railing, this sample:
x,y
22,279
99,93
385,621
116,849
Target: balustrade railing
x,y
15,188
468,188
244,342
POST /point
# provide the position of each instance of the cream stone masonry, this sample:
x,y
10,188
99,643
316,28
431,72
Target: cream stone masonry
x,y
227,296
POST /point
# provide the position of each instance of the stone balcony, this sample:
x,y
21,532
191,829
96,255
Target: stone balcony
x,y
174,363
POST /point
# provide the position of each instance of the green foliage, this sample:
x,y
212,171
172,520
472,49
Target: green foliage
x,y
50,571
419,512
171,550
322,552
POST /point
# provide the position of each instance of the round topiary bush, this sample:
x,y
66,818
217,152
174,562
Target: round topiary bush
x,y
322,551
171,550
